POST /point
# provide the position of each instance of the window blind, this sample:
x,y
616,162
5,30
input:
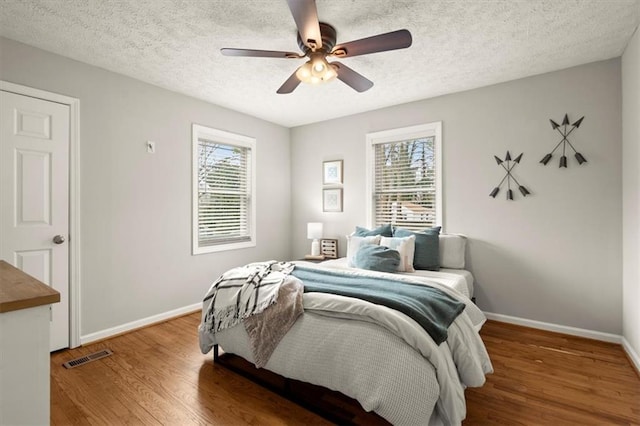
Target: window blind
x,y
404,183
224,193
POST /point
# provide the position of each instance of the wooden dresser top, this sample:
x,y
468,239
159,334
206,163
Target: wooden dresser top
x,y
21,291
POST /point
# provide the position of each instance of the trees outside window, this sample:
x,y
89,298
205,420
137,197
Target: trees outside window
x,y
404,185
223,193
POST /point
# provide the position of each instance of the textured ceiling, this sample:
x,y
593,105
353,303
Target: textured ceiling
x,y
457,45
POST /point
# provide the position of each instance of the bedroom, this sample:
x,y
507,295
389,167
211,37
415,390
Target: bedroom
x,y
540,261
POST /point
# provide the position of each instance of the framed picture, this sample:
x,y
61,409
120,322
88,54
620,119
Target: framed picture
x,y
332,172
332,200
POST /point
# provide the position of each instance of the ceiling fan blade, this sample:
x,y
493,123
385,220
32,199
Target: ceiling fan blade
x,y
289,85
379,43
305,14
356,81
259,53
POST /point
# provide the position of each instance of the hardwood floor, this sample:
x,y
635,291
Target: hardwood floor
x,y
157,375
548,378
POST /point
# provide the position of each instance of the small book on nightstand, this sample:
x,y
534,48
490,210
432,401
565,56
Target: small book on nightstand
x,y
312,257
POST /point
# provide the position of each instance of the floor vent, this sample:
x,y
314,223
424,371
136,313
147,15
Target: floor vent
x,y
87,358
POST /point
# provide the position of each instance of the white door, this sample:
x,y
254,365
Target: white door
x,y
34,191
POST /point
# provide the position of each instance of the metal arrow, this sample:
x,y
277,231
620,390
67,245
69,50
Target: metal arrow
x,y
522,189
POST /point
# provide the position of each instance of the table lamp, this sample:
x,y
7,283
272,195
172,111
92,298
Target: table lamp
x,y
314,232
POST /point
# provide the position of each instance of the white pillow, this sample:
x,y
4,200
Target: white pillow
x,y
452,248
406,247
354,242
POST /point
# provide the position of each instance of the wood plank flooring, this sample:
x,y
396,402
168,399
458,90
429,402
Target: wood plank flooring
x,y
157,375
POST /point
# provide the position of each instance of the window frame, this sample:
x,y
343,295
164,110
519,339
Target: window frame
x,y
231,139
433,129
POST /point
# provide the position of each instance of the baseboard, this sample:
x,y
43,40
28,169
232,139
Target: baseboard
x,y
631,354
573,331
144,322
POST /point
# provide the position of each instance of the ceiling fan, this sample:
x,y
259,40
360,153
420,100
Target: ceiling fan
x,y
317,40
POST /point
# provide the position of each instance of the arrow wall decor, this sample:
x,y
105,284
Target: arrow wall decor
x,y
565,132
510,164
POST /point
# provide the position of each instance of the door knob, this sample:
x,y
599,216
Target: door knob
x,y
58,239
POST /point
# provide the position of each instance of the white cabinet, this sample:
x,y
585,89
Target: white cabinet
x,y
24,348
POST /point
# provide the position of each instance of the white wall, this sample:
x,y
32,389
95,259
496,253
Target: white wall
x,y
554,256
136,257
631,192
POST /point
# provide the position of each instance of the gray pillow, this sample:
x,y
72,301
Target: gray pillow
x,y
377,258
427,251
384,230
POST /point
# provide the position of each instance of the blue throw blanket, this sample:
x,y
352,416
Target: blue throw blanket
x,y
433,309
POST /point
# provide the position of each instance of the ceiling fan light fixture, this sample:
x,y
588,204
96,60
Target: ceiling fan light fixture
x,y
319,64
316,71
304,72
330,73
318,68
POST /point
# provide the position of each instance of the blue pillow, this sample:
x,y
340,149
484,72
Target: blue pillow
x,y
384,230
377,258
427,251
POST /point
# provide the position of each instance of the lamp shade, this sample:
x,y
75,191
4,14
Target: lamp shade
x,y
314,230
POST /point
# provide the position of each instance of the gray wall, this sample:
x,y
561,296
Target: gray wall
x,y
631,191
136,207
554,256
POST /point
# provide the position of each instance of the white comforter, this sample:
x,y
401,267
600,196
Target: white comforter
x,y
378,356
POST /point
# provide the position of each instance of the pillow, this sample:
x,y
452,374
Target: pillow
x,y
452,248
384,230
377,258
404,246
427,252
354,242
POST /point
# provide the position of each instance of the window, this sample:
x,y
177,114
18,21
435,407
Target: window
x,y
404,177
223,190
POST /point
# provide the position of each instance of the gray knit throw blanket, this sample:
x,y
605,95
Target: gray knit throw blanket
x,y
244,291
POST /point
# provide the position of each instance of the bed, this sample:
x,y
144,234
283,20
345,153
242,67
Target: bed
x,y
374,354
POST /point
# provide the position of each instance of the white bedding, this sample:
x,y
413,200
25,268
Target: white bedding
x,y
458,279
378,356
